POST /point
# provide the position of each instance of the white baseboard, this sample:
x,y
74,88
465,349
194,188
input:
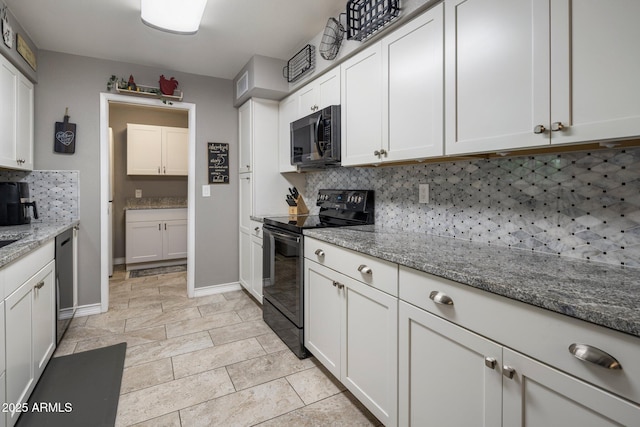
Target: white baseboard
x,y
88,310
216,289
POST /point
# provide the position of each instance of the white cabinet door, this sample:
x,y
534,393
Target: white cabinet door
x,y
413,106
174,239
175,151
8,117
539,395
246,202
143,241
24,124
256,268
370,348
245,137
322,316
496,74
591,39
245,260
19,347
361,107
307,103
287,113
144,149
328,88
446,373
44,318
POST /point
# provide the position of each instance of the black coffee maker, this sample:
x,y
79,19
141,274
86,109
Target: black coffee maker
x,y
15,203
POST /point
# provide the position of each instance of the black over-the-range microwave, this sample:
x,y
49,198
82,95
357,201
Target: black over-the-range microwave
x,y
315,139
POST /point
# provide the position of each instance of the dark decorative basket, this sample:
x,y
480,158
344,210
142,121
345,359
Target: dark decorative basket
x,y
331,39
365,17
300,64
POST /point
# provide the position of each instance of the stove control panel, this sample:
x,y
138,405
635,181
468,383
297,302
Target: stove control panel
x,y
350,200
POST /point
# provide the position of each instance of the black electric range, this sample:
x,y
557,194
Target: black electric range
x,y
283,258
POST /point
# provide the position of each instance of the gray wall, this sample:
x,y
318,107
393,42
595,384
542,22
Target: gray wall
x,y
151,186
76,82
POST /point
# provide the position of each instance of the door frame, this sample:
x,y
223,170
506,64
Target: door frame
x,y
105,99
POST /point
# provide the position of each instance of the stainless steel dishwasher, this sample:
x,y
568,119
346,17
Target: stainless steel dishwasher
x,y
65,301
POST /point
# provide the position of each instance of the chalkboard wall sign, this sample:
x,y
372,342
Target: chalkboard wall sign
x,y
218,166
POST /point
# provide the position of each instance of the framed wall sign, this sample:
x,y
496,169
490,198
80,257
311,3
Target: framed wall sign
x,y
25,51
218,162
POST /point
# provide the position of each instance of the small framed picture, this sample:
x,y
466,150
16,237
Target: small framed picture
x,y
7,33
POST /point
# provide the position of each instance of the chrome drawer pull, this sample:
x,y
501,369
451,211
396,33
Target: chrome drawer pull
x,y
490,362
440,298
594,355
319,252
364,269
39,285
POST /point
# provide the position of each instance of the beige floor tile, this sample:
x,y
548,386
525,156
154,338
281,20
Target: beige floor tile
x,y
198,324
216,357
146,375
167,348
252,312
82,333
244,408
314,384
239,331
65,348
169,397
341,410
133,338
235,295
184,302
266,368
169,420
162,318
271,342
128,313
226,305
78,321
146,301
175,280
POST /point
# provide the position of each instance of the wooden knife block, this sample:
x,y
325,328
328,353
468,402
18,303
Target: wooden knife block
x,y
300,209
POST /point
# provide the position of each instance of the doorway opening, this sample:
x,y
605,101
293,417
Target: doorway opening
x,y
113,111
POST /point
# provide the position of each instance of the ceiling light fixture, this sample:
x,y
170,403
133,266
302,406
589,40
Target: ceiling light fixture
x,y
173,16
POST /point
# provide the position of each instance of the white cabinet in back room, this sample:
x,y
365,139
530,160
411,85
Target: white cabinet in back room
x,y
157,150
155,235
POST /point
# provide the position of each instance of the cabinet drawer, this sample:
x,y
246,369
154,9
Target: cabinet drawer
x,y
375,272
536,332
134,215
20,270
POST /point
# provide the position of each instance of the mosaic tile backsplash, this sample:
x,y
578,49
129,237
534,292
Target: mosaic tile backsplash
x,y
581,205
56,193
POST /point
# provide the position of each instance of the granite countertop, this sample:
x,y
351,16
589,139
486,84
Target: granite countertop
x,y
155,203
603,294
30,236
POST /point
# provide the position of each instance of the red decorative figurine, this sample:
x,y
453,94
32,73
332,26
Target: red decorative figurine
x,y
167,87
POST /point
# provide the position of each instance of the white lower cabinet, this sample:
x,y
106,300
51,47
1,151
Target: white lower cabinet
x,y
29,324
351,328
155,235
251,260
448,376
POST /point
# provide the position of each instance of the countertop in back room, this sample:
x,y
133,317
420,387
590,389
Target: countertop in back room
x,y
602,294
155,203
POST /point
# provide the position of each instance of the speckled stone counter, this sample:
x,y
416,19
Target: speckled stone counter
x,y
603,294
155,203
30,237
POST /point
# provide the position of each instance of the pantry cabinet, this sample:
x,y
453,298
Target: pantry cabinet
x,y
539,73
30,335
17,118
155,235
157,150
392,95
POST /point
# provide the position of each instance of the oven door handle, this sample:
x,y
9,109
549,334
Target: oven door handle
x,y
289,237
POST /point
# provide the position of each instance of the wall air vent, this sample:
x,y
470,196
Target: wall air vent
x,y
242,85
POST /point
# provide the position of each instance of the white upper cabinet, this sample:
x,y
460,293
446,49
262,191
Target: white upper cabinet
x,y
320,93
413,89
496,74
595,89
361,107
392,95
287,113
157,150
16,118
245,137
526,73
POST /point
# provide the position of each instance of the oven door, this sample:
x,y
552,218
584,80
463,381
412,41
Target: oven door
x,y
283,273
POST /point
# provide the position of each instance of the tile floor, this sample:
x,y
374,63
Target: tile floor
x,y
208,361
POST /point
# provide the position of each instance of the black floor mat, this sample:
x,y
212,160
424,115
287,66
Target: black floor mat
x,y
81,389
